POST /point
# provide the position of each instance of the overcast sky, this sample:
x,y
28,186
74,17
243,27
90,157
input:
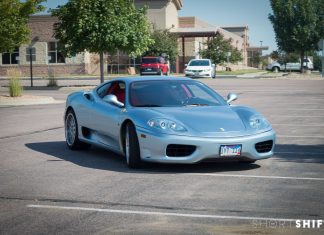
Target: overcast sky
x,y
253,13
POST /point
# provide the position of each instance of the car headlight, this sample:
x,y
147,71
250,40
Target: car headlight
x,y
258,122
207,70
188,70
167,125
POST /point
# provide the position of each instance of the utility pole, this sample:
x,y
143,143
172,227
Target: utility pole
x,y
31,65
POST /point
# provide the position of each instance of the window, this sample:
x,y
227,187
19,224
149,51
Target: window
x,y
162,93
31,52
55,56
113,88
10,58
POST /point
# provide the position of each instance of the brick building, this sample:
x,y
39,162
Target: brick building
x,y
163,14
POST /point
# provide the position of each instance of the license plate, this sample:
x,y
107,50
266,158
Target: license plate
x,y
149,69
230,150
196,73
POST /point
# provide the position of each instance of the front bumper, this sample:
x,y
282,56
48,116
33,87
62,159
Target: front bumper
x,y
153,146
198,74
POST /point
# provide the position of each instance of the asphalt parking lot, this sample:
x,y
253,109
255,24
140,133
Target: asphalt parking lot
x,y
47,189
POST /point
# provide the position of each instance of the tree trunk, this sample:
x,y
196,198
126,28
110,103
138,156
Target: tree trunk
x,y
302,54
102,79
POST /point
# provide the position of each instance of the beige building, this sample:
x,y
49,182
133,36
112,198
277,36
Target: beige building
x,y
45,54
163,14
194,33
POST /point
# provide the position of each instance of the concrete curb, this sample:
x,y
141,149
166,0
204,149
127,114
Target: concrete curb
x,y
6,101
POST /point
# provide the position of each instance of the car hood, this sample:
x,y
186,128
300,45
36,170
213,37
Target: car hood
x,y
211,121
198,67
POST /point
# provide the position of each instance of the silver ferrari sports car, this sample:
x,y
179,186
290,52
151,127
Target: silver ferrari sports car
x,y
166,120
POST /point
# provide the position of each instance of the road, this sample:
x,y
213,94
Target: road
x,y
47,189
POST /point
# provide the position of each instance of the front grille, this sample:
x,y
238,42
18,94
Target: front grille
x,y
179,150
264,147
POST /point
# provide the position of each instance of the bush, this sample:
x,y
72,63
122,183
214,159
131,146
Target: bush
x,y
52,81
15,88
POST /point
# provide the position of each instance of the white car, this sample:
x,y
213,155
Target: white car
x,y
276,66
200,68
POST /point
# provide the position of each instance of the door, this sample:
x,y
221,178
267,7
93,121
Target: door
x,y
106,117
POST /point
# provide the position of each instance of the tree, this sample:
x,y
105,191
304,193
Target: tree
x,y
217,50
14,15
101,26
298,25
283,57
165,43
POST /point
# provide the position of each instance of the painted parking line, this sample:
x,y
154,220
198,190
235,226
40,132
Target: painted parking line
x,y
258,176
155,213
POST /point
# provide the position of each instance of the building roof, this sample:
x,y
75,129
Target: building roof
x,y
256,48
178,4
195,32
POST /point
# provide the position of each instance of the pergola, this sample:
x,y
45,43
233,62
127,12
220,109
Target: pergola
x,y
192,33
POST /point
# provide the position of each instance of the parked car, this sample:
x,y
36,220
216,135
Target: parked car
x,y
166,120
154,65
276,66
200,68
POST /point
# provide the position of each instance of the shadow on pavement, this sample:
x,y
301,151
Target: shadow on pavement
x,y
105,160
299,153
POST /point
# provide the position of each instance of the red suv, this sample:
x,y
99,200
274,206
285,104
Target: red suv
x,y
155,65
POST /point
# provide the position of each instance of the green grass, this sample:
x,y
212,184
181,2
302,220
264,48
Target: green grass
x,y
15,88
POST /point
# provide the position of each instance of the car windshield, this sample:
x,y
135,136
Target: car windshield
x,y
166,93
149,60
199,63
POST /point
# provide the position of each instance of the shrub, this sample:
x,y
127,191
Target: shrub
x,y
15,88
52,81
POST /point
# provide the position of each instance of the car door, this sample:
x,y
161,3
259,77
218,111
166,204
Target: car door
x,y
106,117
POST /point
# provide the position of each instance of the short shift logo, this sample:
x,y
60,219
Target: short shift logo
x,y
309,223
303,224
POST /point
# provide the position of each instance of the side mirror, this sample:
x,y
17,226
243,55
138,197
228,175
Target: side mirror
x,y
213,65
186,65
112,99
88,95
231,97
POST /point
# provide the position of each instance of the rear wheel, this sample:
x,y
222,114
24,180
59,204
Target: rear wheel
x,y
71,133
132,150
275,69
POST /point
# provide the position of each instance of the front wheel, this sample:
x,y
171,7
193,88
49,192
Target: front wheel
x,y
248,161
71,132
132,150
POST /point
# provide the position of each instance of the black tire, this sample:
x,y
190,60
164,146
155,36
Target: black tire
x,y
275,69
132,150
72,133
248,161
